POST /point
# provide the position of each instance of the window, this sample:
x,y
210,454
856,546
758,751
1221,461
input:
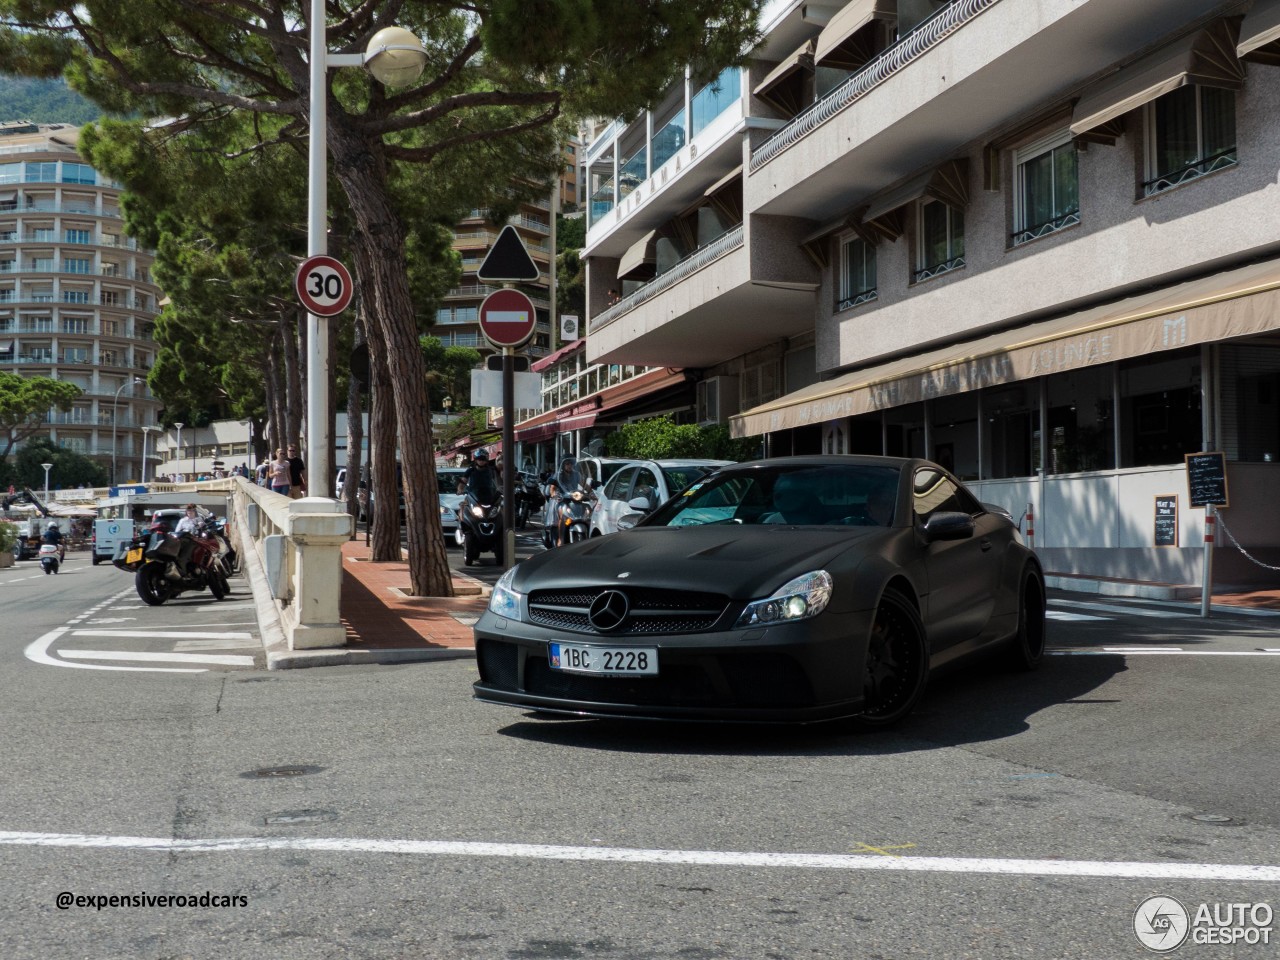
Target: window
x,y
76,265
75,325
78,173
857,273
1046,188
76,236
42,234
75,296
41,173
619,488
760,384
1190,132
940,245
934,492
75,355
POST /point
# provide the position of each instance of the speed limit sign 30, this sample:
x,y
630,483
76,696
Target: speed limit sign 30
x,y
323,285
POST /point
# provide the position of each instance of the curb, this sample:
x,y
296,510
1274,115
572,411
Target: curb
x,y
1122,588
339,657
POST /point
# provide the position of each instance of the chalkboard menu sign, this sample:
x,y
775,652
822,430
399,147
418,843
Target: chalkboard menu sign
x,y
1207,479
1166,520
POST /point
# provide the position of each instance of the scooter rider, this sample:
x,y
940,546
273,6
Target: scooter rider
x,y
53,535
563,485
481,478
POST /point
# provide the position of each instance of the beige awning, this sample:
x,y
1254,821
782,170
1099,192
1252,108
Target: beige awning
x,y
948,183
1207,57
1260,33
639,259
801,59
851,18
1237,303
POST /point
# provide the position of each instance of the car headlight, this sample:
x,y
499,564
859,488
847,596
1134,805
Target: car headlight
x,y
805,596
504,601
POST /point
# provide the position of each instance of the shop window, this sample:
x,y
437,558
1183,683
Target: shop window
x,y
1159,410
904,431
1081,425
1012,421
955,434
1190,132
1250,396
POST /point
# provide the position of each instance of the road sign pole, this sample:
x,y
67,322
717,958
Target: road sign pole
x,y
508,455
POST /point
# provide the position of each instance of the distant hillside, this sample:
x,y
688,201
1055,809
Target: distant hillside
x,y
44,101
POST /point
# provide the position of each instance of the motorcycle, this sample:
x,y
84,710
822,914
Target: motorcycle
x,y
480,526
50,558
165,565
529,498
571,521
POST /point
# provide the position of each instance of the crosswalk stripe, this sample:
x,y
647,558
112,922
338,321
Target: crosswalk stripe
x,y
1068,615
227,659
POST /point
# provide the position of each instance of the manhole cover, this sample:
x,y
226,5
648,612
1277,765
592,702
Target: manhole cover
x,y
1211,818
286,817
269,772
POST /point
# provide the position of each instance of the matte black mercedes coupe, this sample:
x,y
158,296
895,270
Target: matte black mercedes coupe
x,y
798,589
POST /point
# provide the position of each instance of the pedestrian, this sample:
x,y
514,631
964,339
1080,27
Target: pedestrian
x,y
297,474
190,523
279,472
263,469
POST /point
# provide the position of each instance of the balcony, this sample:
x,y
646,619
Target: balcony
x,y
696,309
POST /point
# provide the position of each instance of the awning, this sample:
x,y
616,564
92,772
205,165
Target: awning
x,y
774,86
556,356
638,263
852,18
1207,57
537,434
6,346
1260,33
1237,303
948,183
8,196
580,422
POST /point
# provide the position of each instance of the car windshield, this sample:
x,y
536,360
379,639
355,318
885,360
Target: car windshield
x,y
679,478
836,494
448,481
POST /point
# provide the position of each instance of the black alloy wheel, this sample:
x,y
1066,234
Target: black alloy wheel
x,y
897,666
1026,650
151,585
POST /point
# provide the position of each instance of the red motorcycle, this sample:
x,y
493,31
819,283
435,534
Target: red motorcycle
x,y
165,565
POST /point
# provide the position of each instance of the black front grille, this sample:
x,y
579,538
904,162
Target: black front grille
x,y
652,611
679,685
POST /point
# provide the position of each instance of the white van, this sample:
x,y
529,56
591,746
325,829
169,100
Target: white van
x,y
107,534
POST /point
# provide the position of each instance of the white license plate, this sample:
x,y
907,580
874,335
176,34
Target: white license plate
x,y
612,661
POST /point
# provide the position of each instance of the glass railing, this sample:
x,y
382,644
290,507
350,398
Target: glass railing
x,y
715,98
633,171
668,141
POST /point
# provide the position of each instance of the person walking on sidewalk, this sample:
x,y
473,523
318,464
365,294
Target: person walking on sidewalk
x,y
297,474
279,473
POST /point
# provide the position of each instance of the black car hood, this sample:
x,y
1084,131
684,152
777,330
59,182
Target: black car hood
x,y
743,562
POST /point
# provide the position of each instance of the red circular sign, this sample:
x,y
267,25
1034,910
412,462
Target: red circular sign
x,y
323,286
507,318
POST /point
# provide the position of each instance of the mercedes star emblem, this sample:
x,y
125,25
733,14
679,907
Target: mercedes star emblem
x,y
609,610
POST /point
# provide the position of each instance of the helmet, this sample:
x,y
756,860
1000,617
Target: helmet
x,y
482,454
52,526
568,462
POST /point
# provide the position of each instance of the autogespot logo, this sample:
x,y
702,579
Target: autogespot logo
x,y
1161,924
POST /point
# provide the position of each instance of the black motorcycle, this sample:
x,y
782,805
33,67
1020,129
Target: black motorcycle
x,y
165,565
480,526
529,498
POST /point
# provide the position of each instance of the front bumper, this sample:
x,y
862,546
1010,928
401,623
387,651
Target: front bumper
x,y
801,672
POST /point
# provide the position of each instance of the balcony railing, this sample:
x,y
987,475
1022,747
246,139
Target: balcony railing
x,y
914,45
717,248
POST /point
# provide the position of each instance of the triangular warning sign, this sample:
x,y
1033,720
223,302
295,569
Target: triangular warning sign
x,y
508,260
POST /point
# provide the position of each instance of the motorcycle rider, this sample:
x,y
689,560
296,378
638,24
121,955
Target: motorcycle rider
x,y
481,478
563,485
53,535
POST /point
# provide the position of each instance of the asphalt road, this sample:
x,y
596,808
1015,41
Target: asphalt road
x,y
380,812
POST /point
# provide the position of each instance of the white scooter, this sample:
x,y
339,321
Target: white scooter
x,y
49,557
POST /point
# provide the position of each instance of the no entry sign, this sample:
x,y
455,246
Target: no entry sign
x,y
507,318
323,285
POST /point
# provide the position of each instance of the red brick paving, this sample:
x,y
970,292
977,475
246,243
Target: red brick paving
x,y
377,617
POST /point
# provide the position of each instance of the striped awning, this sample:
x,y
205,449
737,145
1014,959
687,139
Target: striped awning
x,y
832,42
1260,33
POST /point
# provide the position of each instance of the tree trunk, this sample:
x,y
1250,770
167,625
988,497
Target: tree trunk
x,y
275,393
362,170
382,456
355,433
292,336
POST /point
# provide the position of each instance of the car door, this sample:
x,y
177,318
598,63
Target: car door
x,y
613,503
963,574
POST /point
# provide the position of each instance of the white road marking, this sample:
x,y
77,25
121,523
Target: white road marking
x,y
140,656
194,645
1117,608
1164,653
1143,649
1066,615
1257,873
38,652
165,634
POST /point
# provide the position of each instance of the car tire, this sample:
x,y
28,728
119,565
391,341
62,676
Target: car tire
x,y
95,560
897,664
1025,651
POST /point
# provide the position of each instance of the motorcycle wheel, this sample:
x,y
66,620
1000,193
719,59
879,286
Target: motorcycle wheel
x,y
226,586
48,568
215,585
151,585
522,515
469,552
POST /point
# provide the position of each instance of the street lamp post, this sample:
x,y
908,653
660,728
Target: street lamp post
x,y
115,415
395,57
177,453
194,475
47,468
146,432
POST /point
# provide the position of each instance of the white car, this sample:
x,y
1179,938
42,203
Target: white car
x,y
450,500
642,485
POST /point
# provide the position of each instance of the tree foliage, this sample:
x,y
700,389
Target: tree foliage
x,y
571,273
26,401
70,469
500,76
660,438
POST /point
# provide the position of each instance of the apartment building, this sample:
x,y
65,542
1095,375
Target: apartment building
x,y
1035,241
76,298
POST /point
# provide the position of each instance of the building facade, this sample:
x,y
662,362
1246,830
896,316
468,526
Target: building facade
x,y
1036,242
76,298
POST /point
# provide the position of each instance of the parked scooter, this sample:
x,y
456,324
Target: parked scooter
x,y
480,526
165,565
49,556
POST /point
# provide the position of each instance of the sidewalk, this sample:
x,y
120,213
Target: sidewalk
x,y
1225,598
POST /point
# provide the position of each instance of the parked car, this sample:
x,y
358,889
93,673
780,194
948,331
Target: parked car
x,y
450,501
642,486
799,589
599,470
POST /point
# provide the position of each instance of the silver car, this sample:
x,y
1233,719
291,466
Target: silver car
x,y
642,485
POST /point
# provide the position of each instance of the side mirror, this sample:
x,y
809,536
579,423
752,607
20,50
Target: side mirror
x,y
639,504
948,526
